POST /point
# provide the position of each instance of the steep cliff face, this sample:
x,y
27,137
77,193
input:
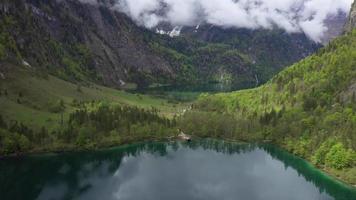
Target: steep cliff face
x,y
351,24
52,33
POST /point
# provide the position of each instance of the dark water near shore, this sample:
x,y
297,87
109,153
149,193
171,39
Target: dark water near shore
x,y
201,170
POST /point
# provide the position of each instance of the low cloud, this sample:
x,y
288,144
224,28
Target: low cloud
x,y
306,16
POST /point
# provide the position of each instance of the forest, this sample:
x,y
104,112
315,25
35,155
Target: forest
x,y
309,109
91,125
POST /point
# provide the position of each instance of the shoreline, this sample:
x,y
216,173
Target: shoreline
x,y
75,149
330,174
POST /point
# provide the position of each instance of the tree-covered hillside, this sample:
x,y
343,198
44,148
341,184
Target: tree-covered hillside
x,y
241,58
40,113
309,108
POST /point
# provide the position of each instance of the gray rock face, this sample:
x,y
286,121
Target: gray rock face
x,y
335,25
118,47
351,24
117,44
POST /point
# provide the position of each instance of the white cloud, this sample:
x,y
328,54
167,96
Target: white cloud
x,y
291,15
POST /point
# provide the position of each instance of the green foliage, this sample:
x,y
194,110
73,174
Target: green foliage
x,y
2,51
72,68
8,47
74,60
56,107
307,108
92,124
2,122
300,147
339,157
209,124
319,156
210,104
13,142
309,103
34,110
79,88
85,135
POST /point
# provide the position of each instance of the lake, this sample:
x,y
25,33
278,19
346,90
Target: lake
x,y
200,170
184,93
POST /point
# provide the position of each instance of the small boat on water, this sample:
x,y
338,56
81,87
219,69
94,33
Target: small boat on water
x,y
184,136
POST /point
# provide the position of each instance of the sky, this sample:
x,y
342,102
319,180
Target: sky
x,y
293,16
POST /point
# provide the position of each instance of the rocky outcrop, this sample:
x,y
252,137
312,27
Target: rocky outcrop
x,y
351,24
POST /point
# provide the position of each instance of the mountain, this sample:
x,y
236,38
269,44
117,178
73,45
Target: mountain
x,y
309,109
351,23
80,41
335,26
264,52
90,42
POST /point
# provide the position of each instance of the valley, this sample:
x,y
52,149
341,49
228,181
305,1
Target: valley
x,y
77,78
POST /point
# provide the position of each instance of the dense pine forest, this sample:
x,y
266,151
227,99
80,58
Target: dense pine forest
x,y
91,125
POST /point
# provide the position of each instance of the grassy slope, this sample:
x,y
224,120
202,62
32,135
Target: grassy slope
x,y
317,105
38,94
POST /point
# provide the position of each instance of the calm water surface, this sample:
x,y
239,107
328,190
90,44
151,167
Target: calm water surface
x,y
183,93
201,170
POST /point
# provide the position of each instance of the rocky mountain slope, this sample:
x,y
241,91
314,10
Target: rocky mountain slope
x,y
77,42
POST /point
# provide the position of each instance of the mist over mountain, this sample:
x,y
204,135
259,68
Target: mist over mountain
x,y
293,16
335,26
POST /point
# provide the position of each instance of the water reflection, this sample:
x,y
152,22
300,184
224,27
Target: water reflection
x,y
185,93
204,169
